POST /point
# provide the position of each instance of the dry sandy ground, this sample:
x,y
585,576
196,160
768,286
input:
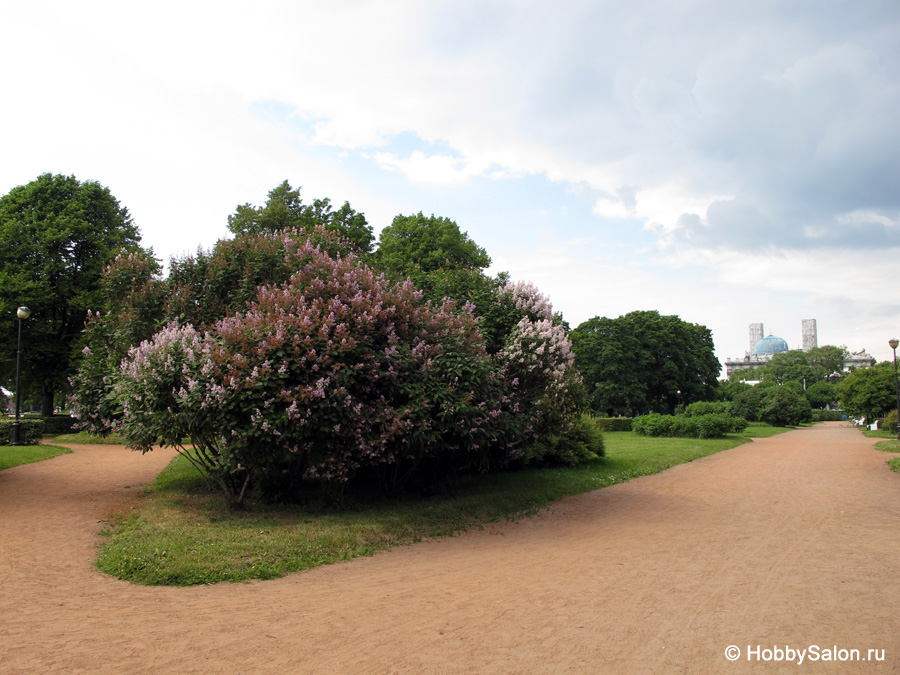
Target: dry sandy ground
x,y
783,543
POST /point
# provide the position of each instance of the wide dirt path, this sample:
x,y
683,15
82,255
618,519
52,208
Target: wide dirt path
x,y
790,541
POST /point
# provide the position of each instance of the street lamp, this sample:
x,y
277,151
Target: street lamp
x,y
894,342
23,313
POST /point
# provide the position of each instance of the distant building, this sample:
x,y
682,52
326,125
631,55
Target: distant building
x,y
859,359
762,349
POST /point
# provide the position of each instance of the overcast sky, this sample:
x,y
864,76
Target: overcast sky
x,y
728,162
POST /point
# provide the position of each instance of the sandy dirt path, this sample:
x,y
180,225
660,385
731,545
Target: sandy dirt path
x,y
790,541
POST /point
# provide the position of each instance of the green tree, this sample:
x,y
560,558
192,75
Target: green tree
x,y
827,362
868,392
790,366
784,406
821,394
56,236
645,361
285,210
413,245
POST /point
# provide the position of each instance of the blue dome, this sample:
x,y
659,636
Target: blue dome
x,y
771,345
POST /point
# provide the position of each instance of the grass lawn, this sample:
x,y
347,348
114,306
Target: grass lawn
x,y
890,444
85,437
13,455
184,534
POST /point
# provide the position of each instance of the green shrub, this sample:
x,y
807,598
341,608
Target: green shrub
x,y
713,425
746,404
830,415
613,423
30,432
889,421
59,424
706,408
783,407
581,442
716,425
654,424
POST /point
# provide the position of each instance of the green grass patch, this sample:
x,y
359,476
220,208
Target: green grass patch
x,y
184,534
891,444
879,433
14,455
83,437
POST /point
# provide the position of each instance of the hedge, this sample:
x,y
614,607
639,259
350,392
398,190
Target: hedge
x,y
58,424
827,415
700,426
30,431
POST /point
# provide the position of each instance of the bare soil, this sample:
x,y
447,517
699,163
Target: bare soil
x,y
786,542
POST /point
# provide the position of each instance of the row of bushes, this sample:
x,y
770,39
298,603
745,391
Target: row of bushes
x,y
827,416
55,425
711,425
30,431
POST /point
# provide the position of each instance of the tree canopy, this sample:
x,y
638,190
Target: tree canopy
x,y
57,234
285,210
421,244
868,392
644,361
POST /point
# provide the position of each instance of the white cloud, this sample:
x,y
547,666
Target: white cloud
x,y
760,150
431,169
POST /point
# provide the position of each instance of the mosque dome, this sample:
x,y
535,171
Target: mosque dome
x,y
771,345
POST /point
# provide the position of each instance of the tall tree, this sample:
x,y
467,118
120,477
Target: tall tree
x,y
645,361
285,210
56,236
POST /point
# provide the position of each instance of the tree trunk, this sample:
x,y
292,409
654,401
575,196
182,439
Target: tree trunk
x,y
47,404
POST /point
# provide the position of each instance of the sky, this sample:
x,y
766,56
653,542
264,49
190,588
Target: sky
x,y
726,162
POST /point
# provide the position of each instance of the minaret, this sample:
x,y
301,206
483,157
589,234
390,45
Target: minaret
x,y
756,334
810,335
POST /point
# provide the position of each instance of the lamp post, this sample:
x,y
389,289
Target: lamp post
x,y
23,313
894,342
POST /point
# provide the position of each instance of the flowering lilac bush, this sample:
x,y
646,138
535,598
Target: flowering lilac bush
x,y
334,373
338,374
542,389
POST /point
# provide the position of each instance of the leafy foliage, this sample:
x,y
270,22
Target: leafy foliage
x,y
712,425
706,408
783,406
582,441
285,210
30,431
613,423
339,374
644,361
56,236
821,394
868,392
746,403
417,244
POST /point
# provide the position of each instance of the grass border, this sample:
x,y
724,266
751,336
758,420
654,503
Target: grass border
x,y
183,534
17,455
